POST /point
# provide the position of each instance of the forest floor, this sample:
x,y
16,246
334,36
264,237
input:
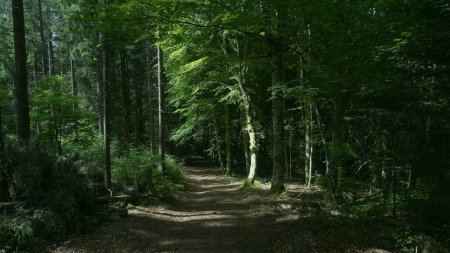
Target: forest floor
x,y
215,215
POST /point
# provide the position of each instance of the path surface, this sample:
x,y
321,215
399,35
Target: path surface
x,y
214,216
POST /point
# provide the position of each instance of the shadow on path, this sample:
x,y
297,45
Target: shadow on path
x,y
214,216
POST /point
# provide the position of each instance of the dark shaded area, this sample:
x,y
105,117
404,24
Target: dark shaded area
x,y
216,216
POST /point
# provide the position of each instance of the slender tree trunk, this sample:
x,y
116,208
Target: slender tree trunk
x,y
308,144
138,112
125,99
43,43
219,144
1,131
245,142
106,114
4,193
100,103
161,165
74,94
229,160
51,59
61,60
330,178
20,73
150,99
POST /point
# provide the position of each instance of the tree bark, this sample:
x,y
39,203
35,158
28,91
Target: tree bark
x,y
330,178
1,130
43,43
4,193
51,59
219,142
278,142
250,181
161,135
229,154
100,103
337,136
245,143
125,99
138,112
106,114
150,99
308,144
74,94
20,73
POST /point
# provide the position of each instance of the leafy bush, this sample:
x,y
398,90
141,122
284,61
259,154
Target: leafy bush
x,y
139,169
15,231
59,190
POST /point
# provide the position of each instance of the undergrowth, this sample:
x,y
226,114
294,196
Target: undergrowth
x,y
138,170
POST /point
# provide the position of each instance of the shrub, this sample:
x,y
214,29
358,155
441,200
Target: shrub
x,y
139,169
58,191
15,231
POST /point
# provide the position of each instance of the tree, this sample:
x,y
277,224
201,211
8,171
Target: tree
x,y
161,134
20,73
277,65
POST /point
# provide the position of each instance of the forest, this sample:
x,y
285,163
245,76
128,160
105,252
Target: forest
x,y
224,126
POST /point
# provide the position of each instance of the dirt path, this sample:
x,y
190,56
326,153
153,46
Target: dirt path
x,y
214,216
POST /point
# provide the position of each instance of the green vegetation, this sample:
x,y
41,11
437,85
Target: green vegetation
x,y
103,98
55,198
139,169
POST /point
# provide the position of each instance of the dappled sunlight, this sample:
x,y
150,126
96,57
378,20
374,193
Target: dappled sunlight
x,y
212,210
213,216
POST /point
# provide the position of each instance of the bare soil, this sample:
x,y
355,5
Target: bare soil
x,y
213,216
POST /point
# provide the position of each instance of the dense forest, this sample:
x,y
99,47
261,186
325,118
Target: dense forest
x,y
332,112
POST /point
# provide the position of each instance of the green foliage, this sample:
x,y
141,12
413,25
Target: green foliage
x,y
15,231
59,115
139,169
61,192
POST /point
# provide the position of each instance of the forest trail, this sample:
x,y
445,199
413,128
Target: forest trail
x,y
216,216
213,216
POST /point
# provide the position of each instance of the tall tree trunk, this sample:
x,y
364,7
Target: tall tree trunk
x,y
4,193
308,143
330,178
51,58
43,53
20,73
74,94
245,143
161,135
278,142
250,181
138,112
100,103
150,99
337,136
106,114
219,144
229,160
126,117
1,130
